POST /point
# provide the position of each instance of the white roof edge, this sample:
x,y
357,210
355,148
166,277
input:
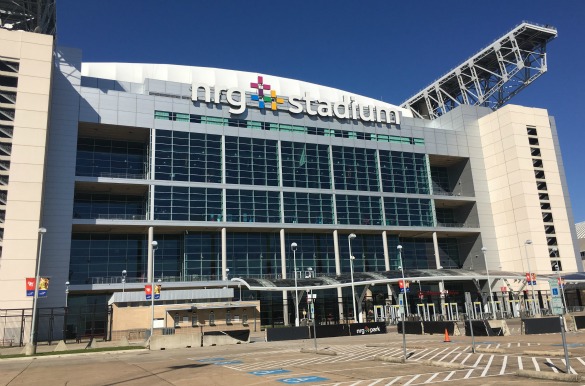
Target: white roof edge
x,y
138,72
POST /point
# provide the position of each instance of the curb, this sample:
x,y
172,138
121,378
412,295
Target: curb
x,y
548,353
447,365
549,376
319,352
389,359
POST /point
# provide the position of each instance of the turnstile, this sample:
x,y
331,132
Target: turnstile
x,y
450,311
426,311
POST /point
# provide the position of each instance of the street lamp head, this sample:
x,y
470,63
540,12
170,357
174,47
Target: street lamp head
x,y
293,246
66,283
351,236
528,242
399,247
483,249
554,249
124,273
42,230
154,244
352,257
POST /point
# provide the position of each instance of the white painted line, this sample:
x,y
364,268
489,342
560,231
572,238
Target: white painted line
x,y
449,353
520,367
536,366
487,367
478,360
394,381
377,381
439,353
431,378
456,356
466,358
412,380
504,365
449,376
571,370
553,367
581,360
468,374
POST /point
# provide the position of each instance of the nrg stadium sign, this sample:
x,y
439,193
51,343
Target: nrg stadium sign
x,y
267,98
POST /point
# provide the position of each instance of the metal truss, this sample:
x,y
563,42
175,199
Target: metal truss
x,y
491,77
29,15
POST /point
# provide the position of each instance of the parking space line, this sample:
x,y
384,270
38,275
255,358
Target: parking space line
x,y
553,366
432,377
535,363
571,369
377,381
504,365
394,381
439,353
449,376
456,356
413,379
520,367
487,366
468,374
478,360
449,353
466,358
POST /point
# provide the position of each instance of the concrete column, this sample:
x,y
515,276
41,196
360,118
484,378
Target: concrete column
x,y
223,253
283,271
338,272
149,272
386,260
438,263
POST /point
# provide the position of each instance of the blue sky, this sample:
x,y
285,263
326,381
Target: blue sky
x,y
382,49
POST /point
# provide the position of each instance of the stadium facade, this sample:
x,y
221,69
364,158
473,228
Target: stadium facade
x,y
226,169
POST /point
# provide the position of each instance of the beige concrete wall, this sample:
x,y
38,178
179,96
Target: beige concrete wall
x,y
34,52
513,192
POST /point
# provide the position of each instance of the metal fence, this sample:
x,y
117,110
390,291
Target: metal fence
x,y
54,324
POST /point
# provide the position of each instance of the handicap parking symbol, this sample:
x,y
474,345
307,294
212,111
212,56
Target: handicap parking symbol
x,y
268,372
297,380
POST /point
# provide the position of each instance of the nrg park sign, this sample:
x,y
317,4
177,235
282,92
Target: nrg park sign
x,y
268,99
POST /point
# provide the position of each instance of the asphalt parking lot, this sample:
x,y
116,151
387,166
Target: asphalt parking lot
x,y
430,360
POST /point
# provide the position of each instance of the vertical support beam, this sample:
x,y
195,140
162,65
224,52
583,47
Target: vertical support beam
x,y
283,272
150,273
438,263
338,272
223,253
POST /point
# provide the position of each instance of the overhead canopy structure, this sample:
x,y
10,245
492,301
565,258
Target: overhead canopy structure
x,y
491,77
372,278
29,15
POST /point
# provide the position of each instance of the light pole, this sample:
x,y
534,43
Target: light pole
x,y
124,280
526,244
31,347
483,250
66,293
154,246
293,246
558,269
399,247
351,259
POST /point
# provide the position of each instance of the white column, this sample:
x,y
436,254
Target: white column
x,y
149,272
283,272
223,253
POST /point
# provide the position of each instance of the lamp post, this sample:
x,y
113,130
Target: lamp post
x,y
483,250
66,293
558,269
154,246
124,280
31,347
399,247
293,247
526,244
351,259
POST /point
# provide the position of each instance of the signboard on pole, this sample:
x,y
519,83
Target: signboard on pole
x,y
404,286
530,278
157,289
556,298
148,291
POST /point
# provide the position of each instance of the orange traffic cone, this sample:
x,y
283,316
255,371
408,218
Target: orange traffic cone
x,y
447,340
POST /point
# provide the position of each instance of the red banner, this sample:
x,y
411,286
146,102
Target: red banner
x,y
30,286
148,291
